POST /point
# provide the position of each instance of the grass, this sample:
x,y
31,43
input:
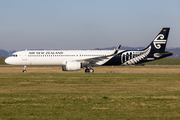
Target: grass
x,y
2,61
165,61
89,96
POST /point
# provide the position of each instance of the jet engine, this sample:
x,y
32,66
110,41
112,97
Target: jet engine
x,y
71,66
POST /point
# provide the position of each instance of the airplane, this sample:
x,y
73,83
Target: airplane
x,y
74,60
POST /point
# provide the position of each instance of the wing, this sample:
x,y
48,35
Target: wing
x,y
101,58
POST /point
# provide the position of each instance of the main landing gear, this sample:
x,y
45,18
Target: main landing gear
x,y
24,71
87,70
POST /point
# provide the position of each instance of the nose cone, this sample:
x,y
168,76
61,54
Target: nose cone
x,y
8,61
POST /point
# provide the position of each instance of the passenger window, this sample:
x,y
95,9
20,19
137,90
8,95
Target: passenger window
x,y
14,55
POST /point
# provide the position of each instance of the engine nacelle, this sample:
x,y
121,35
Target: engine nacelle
x,y
72,66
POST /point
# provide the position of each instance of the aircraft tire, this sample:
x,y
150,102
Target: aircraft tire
x,y
91,70
86,70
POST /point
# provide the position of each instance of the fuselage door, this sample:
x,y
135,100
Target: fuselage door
x,y
24,55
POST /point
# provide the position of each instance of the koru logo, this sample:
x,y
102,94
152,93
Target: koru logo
x,y
157,42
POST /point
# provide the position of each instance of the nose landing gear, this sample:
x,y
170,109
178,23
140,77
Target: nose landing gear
x,y
24,71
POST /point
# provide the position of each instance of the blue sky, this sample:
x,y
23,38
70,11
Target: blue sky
x,y
86,24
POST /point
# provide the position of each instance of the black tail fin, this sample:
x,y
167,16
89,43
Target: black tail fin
x,y
159,43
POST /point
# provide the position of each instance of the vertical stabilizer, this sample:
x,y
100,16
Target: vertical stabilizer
x,y
159,42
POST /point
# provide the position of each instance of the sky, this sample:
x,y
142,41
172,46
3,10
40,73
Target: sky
x,y
86,24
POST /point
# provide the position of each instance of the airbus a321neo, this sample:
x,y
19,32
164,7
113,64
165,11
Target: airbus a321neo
x,y
72,60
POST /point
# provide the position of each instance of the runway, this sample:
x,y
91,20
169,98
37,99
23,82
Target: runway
x,y
101,69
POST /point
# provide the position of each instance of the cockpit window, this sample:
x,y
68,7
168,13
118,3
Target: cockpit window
x,y
14,55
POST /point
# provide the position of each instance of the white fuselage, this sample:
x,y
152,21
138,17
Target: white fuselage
x,y
55,57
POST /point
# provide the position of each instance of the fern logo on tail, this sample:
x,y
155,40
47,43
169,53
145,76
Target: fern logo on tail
x,y
134,57
158,41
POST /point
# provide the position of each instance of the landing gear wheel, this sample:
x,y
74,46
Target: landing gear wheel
x,y
86,70
91,70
